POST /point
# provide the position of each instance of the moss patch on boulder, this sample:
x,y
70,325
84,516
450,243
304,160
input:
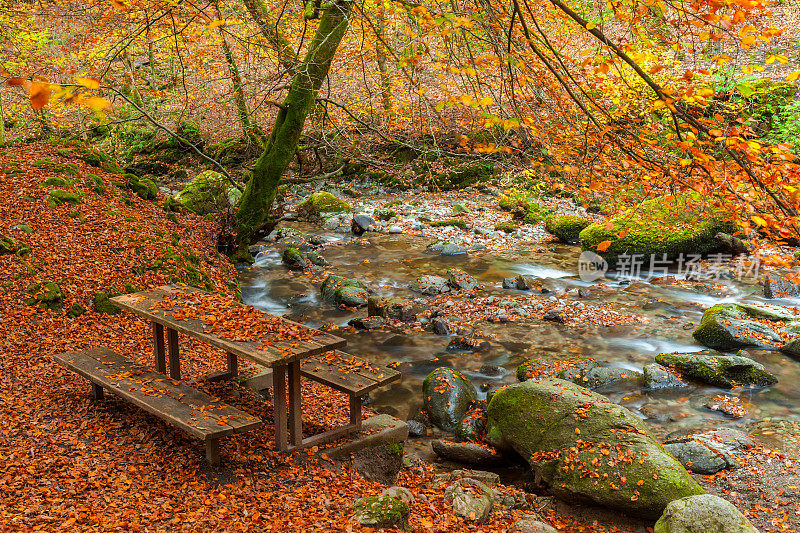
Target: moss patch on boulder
x,y
720,370
663,226
58,197
46,294
454,222
566,227
322,202
208,192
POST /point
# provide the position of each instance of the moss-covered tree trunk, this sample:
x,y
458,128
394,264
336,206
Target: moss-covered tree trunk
x,y
236,81
256,203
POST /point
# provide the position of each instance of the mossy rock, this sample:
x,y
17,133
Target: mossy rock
x,y
385,214
294,259
44,164
566,227
76,310
69,169
24,228
46,294
9,245
587,448
322,202
102,304
459,209
96,184
55,181
333,282
454,222
381,512
506,227
524,205
668,226
731,326
58,197
447,396
209,192
351,296
720,370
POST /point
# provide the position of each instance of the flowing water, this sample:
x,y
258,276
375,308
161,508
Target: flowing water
x,y
389,263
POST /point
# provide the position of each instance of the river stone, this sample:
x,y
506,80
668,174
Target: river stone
x,y
780,287
703,513
730,326
394,230
458,279
317,259
294,259
332,283
468,453
531,526
473,426
657,377
430,285
453,249
331,223
570,437
416,428
399,493
708,453
509,283
720,370
440,326
470,499
381,512
447,396
367,323
362,223
597,377
350,296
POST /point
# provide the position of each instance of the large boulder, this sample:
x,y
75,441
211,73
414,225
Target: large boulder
x,y
731,326
708,453
781,287
447,396
208,192
470,499
665,225
321,202
333,283
587,448
381,512
430,285
566,227
718,369
703,513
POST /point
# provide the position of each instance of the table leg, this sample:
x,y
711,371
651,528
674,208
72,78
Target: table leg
x,y
174,356
355,411
158,347
279,388
295,410
233,365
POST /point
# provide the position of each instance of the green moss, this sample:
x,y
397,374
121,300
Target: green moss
x,y
46,294
385,214
524,205
718,369
666,225
396,448
181,265
131,287
96,184
24,228
382,511
55,181
506,227
9,245
69,169
57,197
566,227
322,202
76,310
456,222
103,305
294,259
209,192
44,164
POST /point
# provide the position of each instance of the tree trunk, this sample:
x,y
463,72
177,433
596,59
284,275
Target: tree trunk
x,y
236,81
269,29
380,52
254,207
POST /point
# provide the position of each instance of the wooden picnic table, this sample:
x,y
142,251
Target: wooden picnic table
x,y
283,357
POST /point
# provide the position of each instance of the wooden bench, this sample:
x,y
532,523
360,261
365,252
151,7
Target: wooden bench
x,y
350,375
193,411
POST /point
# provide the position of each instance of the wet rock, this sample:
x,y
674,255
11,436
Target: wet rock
x,y
320,203
453,249
708,453
332,223
368,323
565,227
416,428
780,287
440,326
491,370
703,513
526,283
468,343
333,283
731,406
317,259
468,453
362,223
598,377
730,326
394,230
447,396
399,493
473,426
458,279
294,259
430,285
555,315
657,377
470,499
509,283
350,296
490,479
381,512
395,308
718,369
727,243
543,421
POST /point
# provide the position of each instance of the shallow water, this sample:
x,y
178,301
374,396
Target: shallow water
x,y
389,263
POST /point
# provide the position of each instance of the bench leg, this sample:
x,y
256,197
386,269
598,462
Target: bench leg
x,y
279,388
174,355
355,411
233,365
212,452
295,409
158,348
97,391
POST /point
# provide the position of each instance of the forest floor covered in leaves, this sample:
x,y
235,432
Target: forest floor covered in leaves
x,y
69,463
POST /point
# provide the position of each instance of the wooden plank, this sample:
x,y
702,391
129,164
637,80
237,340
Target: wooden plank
x,y
295,407
343,378
158,347
280,353
174,354
191,410
279,393
327,436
